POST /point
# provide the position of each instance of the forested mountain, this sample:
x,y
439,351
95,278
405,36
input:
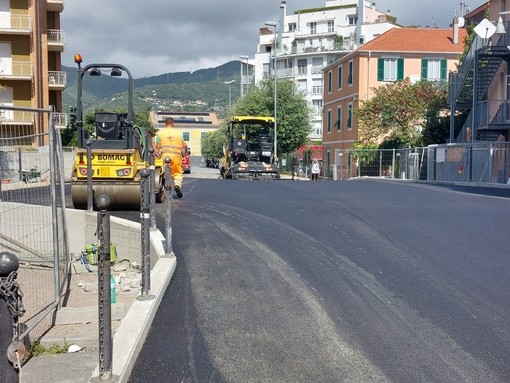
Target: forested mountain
x,y
202,90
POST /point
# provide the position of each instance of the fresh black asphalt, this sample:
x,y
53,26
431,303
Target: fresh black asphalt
x,y
323,281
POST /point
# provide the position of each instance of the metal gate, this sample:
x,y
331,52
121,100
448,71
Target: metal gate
x,y
32,210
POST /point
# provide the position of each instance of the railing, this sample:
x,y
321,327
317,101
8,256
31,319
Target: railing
x,y
316,71
302,71
247,79
56,36
460,77
494,113
15,70
57,78
285,72
14,117
60,120
18,24
317,89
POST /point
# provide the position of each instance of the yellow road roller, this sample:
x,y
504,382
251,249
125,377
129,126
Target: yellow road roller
x,y
119,150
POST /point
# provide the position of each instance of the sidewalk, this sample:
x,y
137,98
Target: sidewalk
x,y
76,323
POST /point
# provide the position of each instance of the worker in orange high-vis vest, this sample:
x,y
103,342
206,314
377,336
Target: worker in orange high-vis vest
x,y
169,143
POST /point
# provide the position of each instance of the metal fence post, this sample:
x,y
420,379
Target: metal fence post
x,y
393,164
168,220
90,196
145,236
359,164
104,298
152,199
380,162
20,165
11,308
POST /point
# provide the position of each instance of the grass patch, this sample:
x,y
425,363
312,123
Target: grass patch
x,y
39,349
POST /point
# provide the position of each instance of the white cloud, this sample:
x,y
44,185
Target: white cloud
x,y
160,36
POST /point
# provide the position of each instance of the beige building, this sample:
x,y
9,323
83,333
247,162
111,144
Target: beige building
x,y
31,44
192,125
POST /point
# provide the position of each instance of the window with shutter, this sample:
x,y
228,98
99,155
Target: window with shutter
x,y
390,69
400,69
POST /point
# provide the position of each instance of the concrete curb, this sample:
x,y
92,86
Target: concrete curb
x,y
131,334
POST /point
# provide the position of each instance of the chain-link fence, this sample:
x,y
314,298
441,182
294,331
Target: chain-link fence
x,y
476,161
32,211
389,163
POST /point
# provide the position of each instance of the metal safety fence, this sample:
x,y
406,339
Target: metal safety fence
x,y
32,212
389,163
470,162
486,162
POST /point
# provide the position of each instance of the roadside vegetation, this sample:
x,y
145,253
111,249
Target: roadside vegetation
x,y
405,114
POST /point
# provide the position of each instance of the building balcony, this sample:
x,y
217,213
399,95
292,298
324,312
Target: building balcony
x,y
250,79
15,70
16,25
317,71
16,117
55,5
60,120
317,90
311,51
318,33
285,72
302,71
57,80
56,40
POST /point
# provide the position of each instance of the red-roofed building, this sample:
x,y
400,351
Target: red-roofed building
x,y
415,53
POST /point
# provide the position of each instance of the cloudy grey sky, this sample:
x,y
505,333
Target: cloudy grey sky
x,y
152,37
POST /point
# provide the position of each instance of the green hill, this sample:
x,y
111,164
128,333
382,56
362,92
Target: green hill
x,y
202,90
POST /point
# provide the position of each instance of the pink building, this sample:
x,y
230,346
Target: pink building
x,y
414,53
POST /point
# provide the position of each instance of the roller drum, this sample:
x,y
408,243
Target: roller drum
x,y
123,195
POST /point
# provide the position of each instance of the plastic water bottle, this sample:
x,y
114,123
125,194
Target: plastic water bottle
x,y
113,290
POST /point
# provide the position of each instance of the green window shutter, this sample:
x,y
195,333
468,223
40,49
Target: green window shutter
x,y
400,69
380,69
424,69
443,69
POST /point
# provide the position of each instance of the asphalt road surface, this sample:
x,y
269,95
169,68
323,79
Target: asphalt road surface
x,y
350,281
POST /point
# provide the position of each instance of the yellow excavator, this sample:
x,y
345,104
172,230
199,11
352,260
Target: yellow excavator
x,y
119,151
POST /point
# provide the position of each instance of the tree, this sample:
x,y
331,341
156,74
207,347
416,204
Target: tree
x,y
69,135
212,143
400,112
293,113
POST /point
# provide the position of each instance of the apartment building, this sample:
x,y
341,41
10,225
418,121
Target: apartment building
x,y
414,53
310,39
31,44
192,125
482,83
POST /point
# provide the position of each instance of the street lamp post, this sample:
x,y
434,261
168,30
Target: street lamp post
x,y
273,24
229,83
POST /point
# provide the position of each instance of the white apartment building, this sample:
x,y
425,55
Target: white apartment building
x,y
311,39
